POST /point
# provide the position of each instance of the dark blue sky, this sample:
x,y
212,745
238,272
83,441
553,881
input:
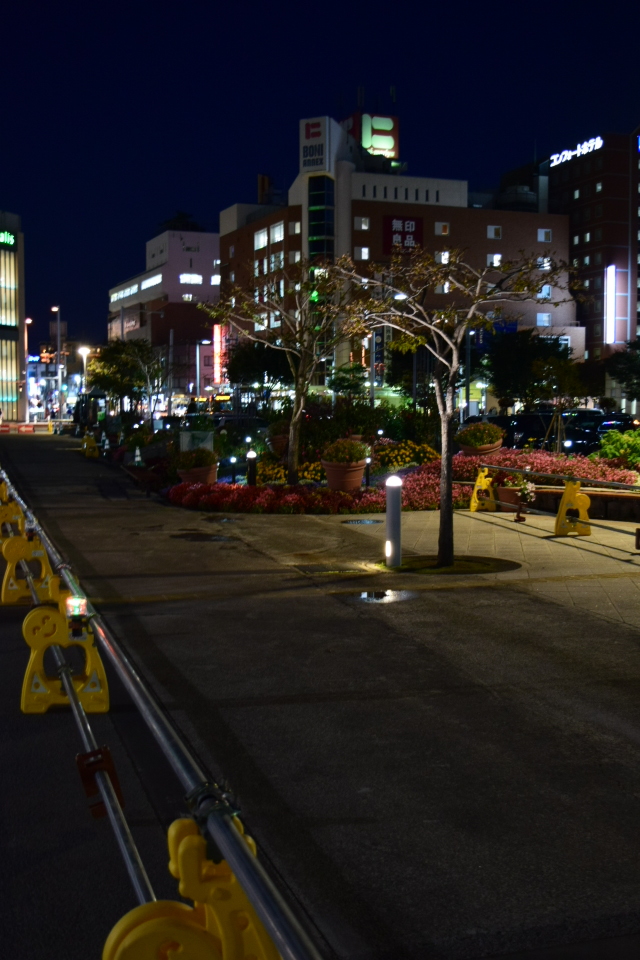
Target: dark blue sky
x,y
117,115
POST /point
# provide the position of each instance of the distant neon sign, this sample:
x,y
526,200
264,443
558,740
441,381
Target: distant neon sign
x,y
7,238
587,147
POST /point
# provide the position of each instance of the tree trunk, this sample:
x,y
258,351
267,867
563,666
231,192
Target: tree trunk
x,y
445,534
294,435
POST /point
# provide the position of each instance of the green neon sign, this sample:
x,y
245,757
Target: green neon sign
x,y
6,238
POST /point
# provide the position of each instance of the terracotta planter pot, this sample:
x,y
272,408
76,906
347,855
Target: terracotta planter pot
x,y
476,451
200,474
278,445
344,476
355,436
511,496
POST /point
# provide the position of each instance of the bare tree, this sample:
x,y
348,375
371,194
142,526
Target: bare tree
x,y
299,311
472,298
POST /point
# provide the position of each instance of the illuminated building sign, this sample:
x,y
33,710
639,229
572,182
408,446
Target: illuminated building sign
x,y
7,239
378,135
399,231
123,294
313,144
217,353
587,147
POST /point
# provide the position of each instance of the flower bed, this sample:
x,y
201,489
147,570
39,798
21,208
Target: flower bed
x,y
271,470
466,468
275,499
388,455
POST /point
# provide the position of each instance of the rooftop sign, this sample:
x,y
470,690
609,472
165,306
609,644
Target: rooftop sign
x,y
587,147
7,239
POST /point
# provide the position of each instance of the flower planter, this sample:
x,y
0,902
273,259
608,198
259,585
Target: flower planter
x,y
344,476
278,444
478,451
200,474
510,495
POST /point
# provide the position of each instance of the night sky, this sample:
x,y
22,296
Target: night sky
x,y
117,115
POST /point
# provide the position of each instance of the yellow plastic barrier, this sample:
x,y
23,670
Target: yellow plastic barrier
x,y
572,499
222,923
4,492
14,590
44,626
483,496
10,513
90,447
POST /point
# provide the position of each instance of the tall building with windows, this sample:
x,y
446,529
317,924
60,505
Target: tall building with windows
x,y
13,395
596,183
353,196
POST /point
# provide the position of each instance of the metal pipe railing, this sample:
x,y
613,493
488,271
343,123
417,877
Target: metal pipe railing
x,y
557,476
209,803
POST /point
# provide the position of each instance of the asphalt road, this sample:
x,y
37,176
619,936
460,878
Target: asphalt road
x,y
455,775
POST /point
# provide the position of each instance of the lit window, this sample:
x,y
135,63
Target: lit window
x,y
265,267
276,232
361,253
123,294
190,278
576,239
545,236
361,223
442,229
587,284
544,293
575,262
586,261
294,227
443,256
216,263
187,296
587,237
443,287
260,239
294,256
232,250
215,280
282,288
494,233
544,263
494,259
598,188
256,268
151,282
543,319
576,194
275,320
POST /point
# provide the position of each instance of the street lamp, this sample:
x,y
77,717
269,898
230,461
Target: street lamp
x,y
27,321
84,353
57,311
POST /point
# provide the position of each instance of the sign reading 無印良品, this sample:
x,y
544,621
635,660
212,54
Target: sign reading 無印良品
x,y
401,232
588,146
7,239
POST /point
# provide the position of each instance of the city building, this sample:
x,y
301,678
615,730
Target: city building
x,y
354,196
161,305
13,393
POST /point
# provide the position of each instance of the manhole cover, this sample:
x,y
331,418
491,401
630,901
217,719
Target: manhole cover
x,y
361,522
198,537
384,596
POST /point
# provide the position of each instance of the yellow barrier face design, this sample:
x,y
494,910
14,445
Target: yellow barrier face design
x,y
10,513
572,499
44,626
165,929
483,496
14,589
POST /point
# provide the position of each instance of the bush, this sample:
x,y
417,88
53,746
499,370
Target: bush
x,y
394,456
188,459
623,447
479,434
345,451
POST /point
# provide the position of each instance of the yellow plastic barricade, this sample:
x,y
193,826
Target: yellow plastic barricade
x,y
90,447
15,590
44,626
572,499
483,496
11,514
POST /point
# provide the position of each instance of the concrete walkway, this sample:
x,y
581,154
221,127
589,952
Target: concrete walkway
x,y
452,775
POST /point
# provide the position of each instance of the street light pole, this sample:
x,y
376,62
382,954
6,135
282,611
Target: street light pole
x,y
56,310
84,353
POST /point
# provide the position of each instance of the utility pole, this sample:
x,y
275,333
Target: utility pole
x,y
170,377
467,377
57,312
372,371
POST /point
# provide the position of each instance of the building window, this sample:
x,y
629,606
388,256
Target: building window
x,y
276,232
587,237
576,239
443,287
598,211
544,263
384,193
206,360
587,284
494,259
544,235
598,187
597,283
260,239
256,268
417,194
361,223
597,259
361,253
442,229
575,262
544,293
232,276
282,288
188,297
364,189
597,234
586,261
232,250
294,227
190,278
597,352
576,194
265,266
543,319
494,233
426,196
215,280
151,282
438,199
395,193
294,256
443,256
375,192
321,217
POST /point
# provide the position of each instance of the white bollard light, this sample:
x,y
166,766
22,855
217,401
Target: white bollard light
x,y
393,545
137,458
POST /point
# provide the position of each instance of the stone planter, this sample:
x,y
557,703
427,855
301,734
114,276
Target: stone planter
x,y
344,476
278,444
510,495
200,474
479,451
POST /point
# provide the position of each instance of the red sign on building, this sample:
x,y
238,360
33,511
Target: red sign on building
x,y
399,231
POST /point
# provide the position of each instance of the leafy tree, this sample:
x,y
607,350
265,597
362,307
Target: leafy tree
x,y
298,312
404,296
348,380
527,367
128,368
624,367
251,361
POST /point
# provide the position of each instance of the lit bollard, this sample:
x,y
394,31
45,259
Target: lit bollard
x,y
393,546
367,472
233,461
252,471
